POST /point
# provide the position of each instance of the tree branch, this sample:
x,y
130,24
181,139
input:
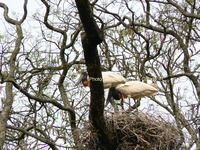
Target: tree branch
x,y
45,140
10,20
192,15
93,32
40,99
9,93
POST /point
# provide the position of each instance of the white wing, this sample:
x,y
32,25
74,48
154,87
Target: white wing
x,y
111,79
136,89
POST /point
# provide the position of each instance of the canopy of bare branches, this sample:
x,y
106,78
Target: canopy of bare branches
x,y
45,45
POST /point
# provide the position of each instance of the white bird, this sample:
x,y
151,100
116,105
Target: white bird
x,y
110,79
131,89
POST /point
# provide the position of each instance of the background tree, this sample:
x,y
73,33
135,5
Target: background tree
x,y
143,40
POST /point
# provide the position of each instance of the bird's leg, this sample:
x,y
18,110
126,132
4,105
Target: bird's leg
x,y
114,105
121,104
135,106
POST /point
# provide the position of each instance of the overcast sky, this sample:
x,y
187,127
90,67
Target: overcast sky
x,y
16,9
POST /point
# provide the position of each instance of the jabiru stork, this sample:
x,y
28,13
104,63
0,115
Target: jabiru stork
x,y
131,89
110,79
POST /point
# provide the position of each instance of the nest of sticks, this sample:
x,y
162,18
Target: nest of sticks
x,y
135,131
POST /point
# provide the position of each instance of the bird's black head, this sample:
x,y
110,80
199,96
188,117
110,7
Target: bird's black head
x,y
116,94
83,79
113,93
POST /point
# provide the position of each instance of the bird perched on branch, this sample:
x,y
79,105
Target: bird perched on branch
x,y
131,89
110,79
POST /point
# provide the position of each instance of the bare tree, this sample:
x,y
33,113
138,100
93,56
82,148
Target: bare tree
x,y
143,40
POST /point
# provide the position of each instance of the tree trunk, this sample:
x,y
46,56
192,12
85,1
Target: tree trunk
x,y
9,93
5,114
90,39
106,137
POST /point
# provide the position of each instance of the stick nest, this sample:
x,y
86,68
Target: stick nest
x,y
135,131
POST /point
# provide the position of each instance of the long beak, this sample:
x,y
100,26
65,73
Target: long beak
x,y
110,93
79,80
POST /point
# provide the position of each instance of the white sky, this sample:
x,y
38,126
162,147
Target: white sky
x,y
16,9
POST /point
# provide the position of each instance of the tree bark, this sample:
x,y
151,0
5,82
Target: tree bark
x,y
9,95
97,94
5,114
90,39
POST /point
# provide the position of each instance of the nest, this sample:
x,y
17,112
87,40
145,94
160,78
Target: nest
x,y
136,131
